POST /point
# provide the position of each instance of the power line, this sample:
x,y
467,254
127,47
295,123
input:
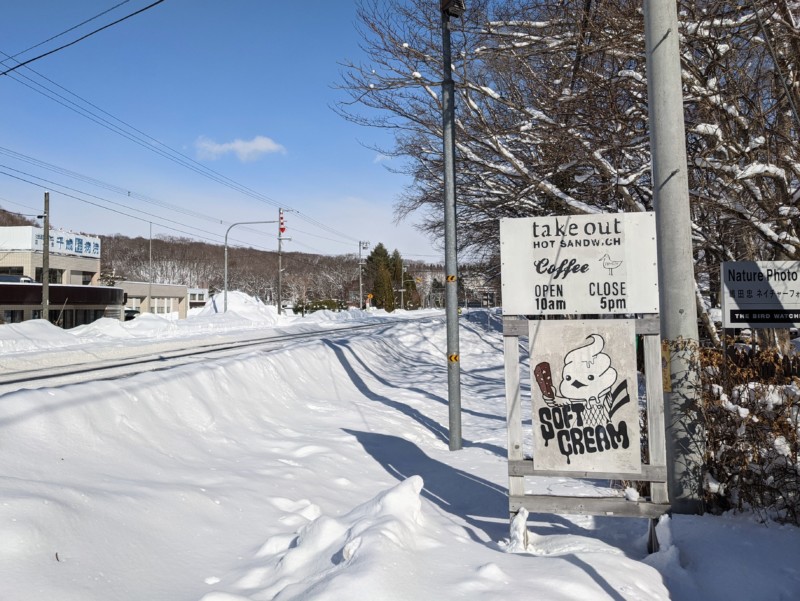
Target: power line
x,y
53,184
126,214
80,39
19,204
139,137
127,193
104,185
66,31
154,145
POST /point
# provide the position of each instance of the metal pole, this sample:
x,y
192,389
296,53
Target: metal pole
x,y
280,276
360,278
450,259
685,431
225,280
225,290
402,285
46,260
361,246
150,274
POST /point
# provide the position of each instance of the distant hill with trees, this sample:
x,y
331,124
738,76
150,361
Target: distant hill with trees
x,y
9,219
306,277
391,280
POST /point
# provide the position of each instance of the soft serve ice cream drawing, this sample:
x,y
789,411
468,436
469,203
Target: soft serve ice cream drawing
x,y
580,413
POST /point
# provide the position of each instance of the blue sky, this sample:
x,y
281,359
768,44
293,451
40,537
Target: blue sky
x,y
243,87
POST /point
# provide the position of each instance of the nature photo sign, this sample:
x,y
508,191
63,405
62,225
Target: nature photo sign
x,y
760,294
584,395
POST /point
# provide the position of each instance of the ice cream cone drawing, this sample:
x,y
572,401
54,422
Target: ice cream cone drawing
x,y
588,383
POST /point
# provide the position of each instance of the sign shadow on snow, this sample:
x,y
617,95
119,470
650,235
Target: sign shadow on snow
x,y
480,503
440,431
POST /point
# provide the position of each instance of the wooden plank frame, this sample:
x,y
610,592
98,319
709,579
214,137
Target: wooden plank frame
x,y
519,466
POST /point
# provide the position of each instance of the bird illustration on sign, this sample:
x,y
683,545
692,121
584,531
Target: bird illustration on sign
x,y
609,264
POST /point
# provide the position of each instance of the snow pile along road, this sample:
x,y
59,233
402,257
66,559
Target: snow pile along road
x,y
322,471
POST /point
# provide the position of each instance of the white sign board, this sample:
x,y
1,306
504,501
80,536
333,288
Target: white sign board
x,y
30,238
67,243
579,264
760,294
584,395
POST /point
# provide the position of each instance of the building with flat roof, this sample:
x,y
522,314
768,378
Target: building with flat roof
x,y
161,299
74,259
69,306
73,273
198,297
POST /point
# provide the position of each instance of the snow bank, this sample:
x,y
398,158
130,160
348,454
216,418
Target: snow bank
x,y
321,471
371,548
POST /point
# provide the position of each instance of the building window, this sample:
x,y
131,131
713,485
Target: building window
x,y
55,276
162,305
11,316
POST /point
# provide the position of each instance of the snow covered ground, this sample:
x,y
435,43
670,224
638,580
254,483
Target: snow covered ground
x,y
319,471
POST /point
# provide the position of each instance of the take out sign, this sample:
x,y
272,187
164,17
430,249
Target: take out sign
x,y
579,264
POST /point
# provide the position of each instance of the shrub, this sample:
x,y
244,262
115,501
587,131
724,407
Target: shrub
x,y
330,304
751,405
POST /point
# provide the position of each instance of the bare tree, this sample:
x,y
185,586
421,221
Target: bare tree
x,y
552,113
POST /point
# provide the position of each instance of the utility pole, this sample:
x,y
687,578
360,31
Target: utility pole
x,y
46,260
281,232
402,289
361,246
450,8
150,274
280,277
685,430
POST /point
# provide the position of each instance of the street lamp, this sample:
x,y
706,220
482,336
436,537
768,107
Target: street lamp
x,y
46,260
450,8
453,8
225,294
361,246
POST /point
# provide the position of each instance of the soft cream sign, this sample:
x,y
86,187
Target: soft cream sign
x,y
579,264
585,410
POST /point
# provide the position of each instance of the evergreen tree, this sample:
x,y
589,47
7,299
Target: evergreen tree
x,y
383,291
396,268
379,256
411,298
379,278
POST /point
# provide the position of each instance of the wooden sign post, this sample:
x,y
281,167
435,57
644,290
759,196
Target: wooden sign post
x,y
583,400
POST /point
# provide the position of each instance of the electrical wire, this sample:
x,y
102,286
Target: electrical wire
x,y
113,188
104,185
139,137
19,204
154,145
80,39
66,31
216,239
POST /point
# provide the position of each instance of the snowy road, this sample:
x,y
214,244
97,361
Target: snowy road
x,y
320,472
82,362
